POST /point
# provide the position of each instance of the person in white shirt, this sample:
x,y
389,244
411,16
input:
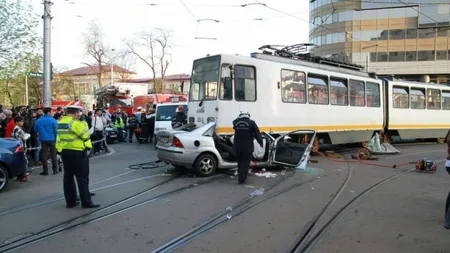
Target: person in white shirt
x,y
98,125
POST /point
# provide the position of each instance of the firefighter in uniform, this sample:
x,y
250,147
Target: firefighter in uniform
x,y
72,141
245,130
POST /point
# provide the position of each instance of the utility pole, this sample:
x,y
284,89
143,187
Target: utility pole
x,y
47,17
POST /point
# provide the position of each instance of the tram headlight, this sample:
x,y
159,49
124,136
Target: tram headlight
x,y
191,119
210,119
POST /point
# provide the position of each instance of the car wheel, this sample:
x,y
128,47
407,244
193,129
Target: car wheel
x,y
3,177
205,165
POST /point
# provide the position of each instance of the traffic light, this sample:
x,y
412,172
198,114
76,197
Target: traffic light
x,y
51,71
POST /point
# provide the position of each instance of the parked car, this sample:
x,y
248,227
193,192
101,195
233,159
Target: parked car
x,y
203,150
112,133
12,160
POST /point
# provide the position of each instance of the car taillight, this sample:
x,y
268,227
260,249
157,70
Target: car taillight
x,y
177,143
19,149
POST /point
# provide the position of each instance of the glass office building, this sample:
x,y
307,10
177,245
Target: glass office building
x,y
408,38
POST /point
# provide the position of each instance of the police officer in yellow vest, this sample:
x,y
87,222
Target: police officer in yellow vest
x,y
72,142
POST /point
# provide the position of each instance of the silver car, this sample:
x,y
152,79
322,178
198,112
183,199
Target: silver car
x,y
203,150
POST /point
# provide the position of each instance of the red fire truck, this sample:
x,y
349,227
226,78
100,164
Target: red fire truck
x,y
62,103
113,95
148,101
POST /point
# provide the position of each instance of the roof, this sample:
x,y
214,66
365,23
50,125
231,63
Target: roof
x,y
176,77
95,70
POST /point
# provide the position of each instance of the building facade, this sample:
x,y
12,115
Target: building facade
x,y
80,83
408,39
172,83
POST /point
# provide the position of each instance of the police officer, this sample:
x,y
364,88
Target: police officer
x,y
72,141
245,130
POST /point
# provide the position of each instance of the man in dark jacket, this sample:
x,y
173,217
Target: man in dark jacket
x,y
133,123
245,130
46,128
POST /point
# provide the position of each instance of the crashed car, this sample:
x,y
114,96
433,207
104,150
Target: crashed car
x,y
203,150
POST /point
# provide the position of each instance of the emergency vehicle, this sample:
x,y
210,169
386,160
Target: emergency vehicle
x,y
113,95
62,103
288,88
148,101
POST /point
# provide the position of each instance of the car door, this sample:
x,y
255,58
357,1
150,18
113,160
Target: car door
x,y
288,151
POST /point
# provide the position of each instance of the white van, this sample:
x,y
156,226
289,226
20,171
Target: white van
x,y
164,115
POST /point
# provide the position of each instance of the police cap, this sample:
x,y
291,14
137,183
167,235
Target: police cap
x,y
74,108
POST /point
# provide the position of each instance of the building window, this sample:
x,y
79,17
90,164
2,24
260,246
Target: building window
x,y
357,93
373,94
293,88
426,55
417,98
434,99
338,91
245,83
441,55
382,57
317,89
400,97
427,33
411,55
411,33
396,56
397,34
226,87
446,100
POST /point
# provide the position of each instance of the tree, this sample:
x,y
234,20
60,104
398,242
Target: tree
x,y
64,86
95,47
153,48
126,60
18,24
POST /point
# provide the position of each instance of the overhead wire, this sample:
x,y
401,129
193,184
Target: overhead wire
x,y
190,12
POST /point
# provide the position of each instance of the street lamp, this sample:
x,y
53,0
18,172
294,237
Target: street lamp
x,y
112,68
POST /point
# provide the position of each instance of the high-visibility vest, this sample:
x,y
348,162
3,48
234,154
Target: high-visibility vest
x,y
119,124
72,135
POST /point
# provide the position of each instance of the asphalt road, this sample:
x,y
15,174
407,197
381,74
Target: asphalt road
x,y
150,207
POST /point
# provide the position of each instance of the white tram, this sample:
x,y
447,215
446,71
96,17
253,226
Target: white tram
x,y
284,91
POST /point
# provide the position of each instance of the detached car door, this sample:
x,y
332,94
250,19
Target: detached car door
x,y
288,151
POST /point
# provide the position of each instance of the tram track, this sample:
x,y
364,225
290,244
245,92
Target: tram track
x,y
65,225
303,244
229,213
35,203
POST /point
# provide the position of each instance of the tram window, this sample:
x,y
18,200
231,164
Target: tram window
x,y
434,99
338,91
293,88
417,98
245,83
357,93
226,87
317,89
446,100
400,97
372,94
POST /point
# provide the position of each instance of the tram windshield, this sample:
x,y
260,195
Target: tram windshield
x,y
125,101
205,76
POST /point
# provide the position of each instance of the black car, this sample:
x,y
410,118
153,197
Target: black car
x,y
112,133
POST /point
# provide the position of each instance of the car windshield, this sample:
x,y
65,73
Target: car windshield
x,y
167,112
205,76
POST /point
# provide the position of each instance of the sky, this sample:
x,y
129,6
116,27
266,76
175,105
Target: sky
x,y
284,22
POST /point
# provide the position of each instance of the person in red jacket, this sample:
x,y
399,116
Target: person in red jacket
x,y
10,126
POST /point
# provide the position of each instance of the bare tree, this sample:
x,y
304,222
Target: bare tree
x,y
93,41
64,85
153,48
126,60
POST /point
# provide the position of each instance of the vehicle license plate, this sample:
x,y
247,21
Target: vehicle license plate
x,y
113,136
